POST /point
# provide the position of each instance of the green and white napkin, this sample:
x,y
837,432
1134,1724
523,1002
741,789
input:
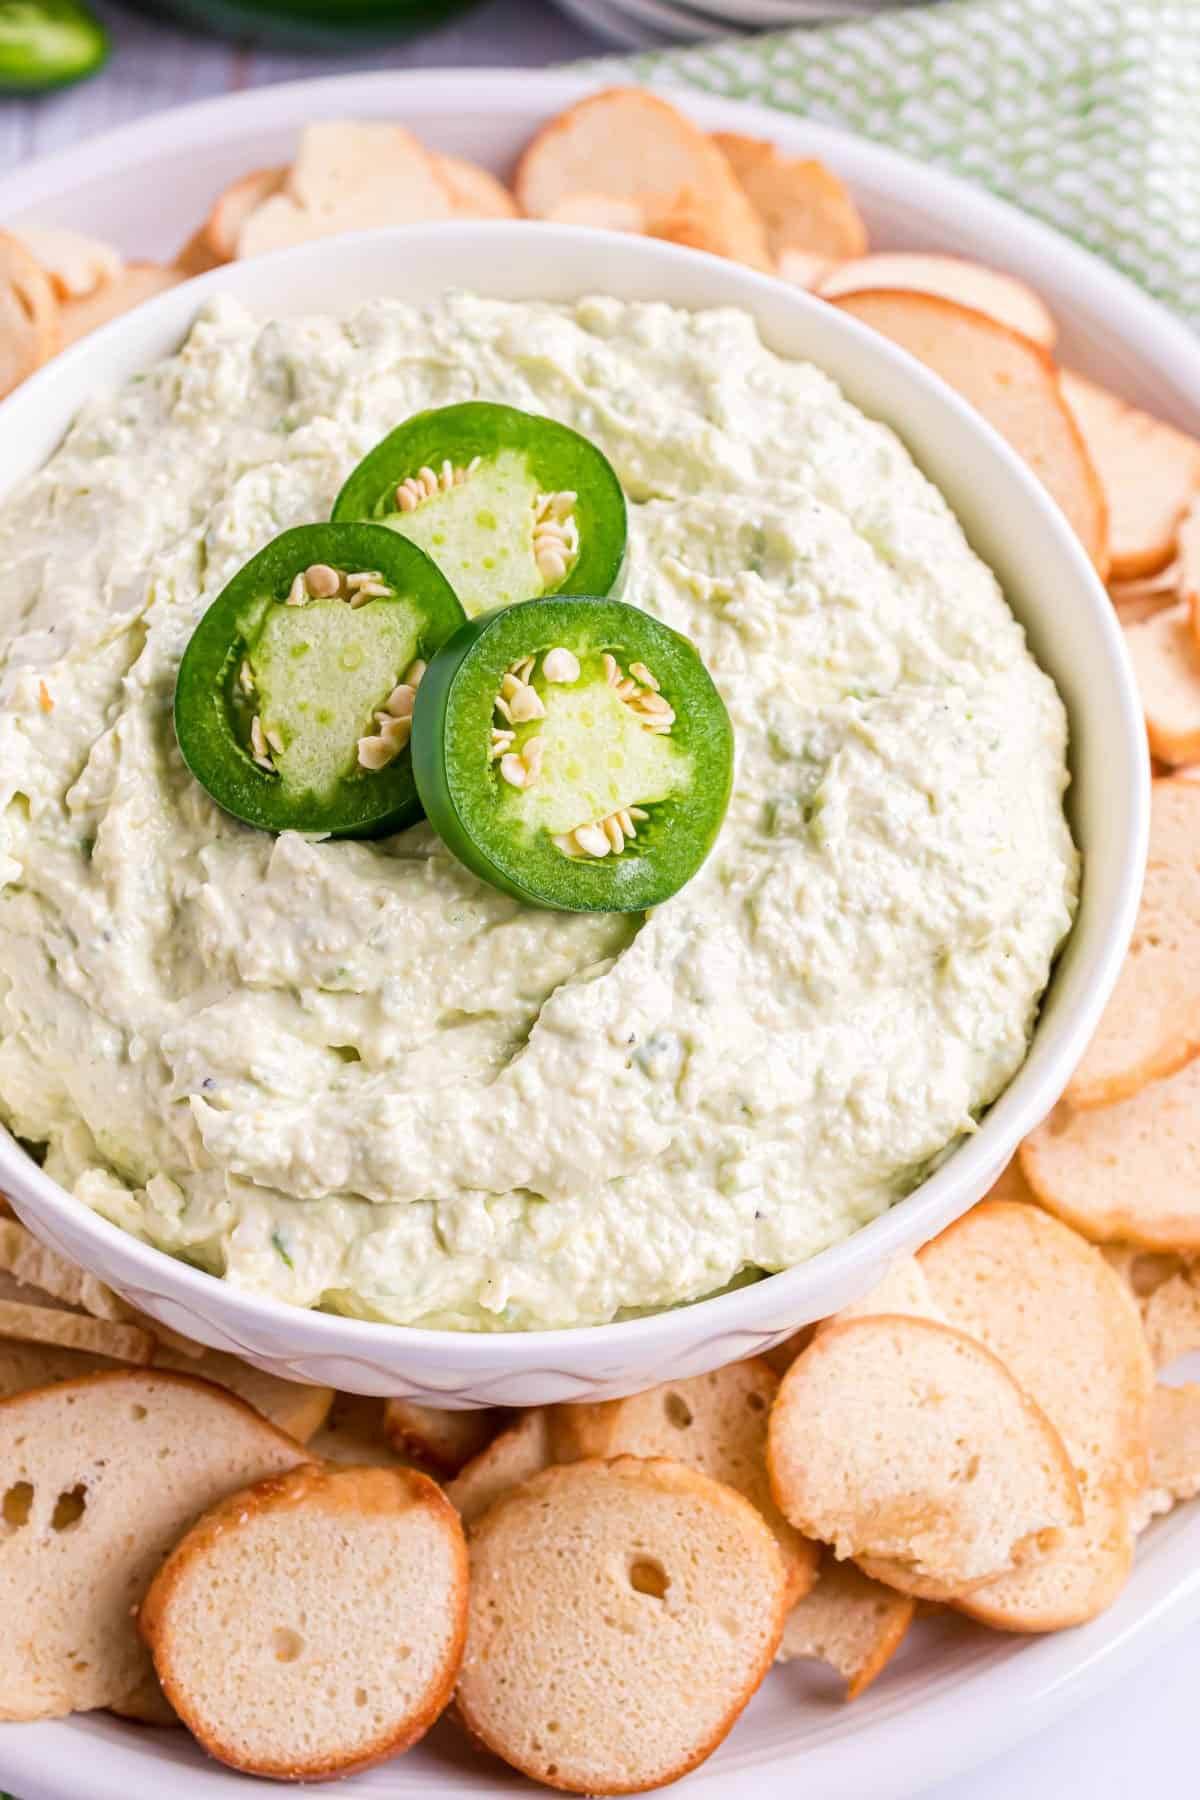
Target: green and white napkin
x,y
1085,112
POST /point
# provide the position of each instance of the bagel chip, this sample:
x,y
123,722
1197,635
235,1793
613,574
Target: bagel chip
x,y
1011,381
848,1621
608,212
439,1440
474,191
803,205
1128,1173
908,1446
74,1331
1150,473
1002,297
520,1451
348,177
312,1625
76,264
353,1433
137,283
222,229
633,145
1174,1451
35,1265
1064,1324
1151,1025
622,1615
1165,653
30,318
716,1423
100,1477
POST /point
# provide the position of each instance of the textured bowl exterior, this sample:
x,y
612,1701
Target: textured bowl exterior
x,y
1010,521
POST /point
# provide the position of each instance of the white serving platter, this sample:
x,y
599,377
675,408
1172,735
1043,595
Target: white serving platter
x,y
956,1694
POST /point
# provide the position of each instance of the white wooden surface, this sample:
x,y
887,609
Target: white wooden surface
x,y
1136,1744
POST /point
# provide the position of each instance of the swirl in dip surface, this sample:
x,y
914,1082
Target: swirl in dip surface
x,y
348,1073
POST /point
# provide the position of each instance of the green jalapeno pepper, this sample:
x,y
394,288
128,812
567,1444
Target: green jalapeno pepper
x,y
509,505
574,753
294,702
47,44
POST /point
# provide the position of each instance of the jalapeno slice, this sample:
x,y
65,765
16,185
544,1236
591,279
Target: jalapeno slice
x,y
295,696
574,753
47,44
509,505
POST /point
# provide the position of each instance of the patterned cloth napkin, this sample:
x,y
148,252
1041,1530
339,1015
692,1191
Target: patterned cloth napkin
x,y
1086,112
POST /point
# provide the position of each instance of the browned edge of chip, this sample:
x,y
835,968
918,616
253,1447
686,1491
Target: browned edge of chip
x,y
333,1488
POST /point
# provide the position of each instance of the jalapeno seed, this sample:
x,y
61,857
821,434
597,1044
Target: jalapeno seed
x,y
295,698
558,774
509,505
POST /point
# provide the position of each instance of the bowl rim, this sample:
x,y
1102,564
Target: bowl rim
x,y
763,1304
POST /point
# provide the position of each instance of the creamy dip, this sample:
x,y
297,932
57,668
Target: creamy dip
x,y
350,1075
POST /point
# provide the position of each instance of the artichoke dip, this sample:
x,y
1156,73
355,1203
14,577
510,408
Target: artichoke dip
x,y
349,1074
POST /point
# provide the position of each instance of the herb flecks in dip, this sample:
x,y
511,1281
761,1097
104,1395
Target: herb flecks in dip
x,y
352,1074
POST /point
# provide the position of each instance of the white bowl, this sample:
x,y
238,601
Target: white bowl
x,y
1071,628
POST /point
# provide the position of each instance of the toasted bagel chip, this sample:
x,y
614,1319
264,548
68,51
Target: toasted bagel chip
x,y
196,257
1151,1025
1144,1271
688,226
353,1433
146,1704
1010,1184
25,1366
137,283
1171,1314
804,269
439,1440
902,1290
1165,654
1080,1579
1008,379
1141,596
474,192
1150,473
99,1478
76,264
74,1331
848,1621
716,1423
908,1446
622,1615
631,144
1065,1326
1188,563
348,177
1137,609
292,1406
1167,583
1174,1473
781,1356
1125,1173
520,1451
35,1265
801,202
30,318
608,212
313,1624
1002,297
1047,1303
231,209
